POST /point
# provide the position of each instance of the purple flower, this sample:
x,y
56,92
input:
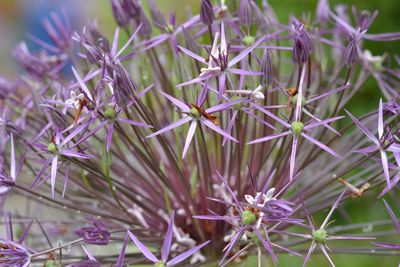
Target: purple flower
x,y
57,152
97,234
297,129
218,62
38,68
380,144
119,14
13,254
166,248
196,114
320,235
59,30
252,218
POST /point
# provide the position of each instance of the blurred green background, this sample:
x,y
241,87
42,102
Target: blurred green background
x,y
17,17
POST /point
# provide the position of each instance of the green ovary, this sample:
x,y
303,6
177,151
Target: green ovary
x,y
52,148
110,113
297,127
248,217
319,236
249,40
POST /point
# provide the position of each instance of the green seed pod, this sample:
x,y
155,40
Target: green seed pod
x,y
110,113
297,127
194,113
51,147
248,217
303,100
249,40
319,236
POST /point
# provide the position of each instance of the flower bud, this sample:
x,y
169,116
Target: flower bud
x,y
96,234
207,12
245,13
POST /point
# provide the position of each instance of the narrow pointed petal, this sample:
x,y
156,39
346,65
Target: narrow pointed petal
x,y
323,122
245,52
265,187
217,218
327,94
366,150
13,171
394,181
88,253
293,156
53,174
82,84
171,126
196,80
120,261
183,256
380,119
272,115
224,106
363,128
245,72
114,45
310,251
267,138
217,129
221,87
266,245
230,191
189,137
327,255
385,166
129,41
135,123
184,107
167,240
145,251
192,55
334,206
392,216
109,136
230,126
321,145
297,114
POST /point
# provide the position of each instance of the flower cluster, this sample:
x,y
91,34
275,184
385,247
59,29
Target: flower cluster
x,y
229,132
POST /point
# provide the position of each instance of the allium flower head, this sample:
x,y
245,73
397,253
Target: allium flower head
x,y
203,134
